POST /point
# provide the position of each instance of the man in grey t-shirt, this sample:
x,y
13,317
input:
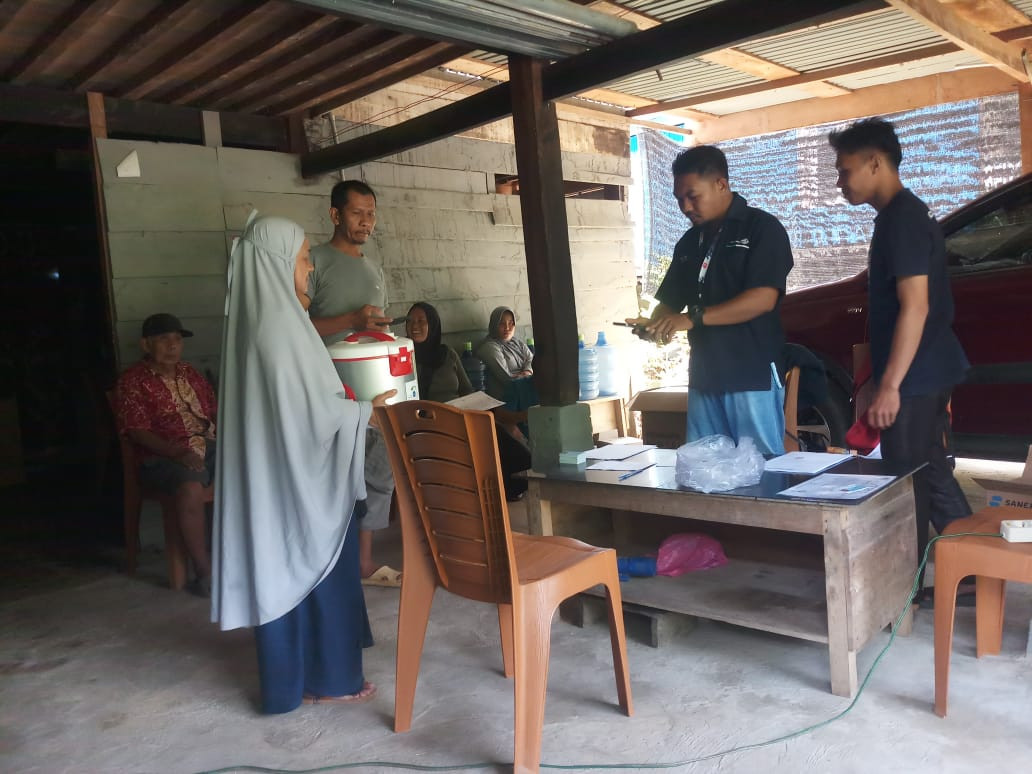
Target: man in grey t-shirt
x,y
348,293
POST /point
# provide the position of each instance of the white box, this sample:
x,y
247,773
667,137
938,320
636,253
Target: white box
x,y
1016,492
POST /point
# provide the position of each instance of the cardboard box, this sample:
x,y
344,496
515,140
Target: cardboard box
x,y
1017,492
664,414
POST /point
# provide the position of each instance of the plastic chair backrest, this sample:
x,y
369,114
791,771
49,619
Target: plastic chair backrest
x,y
453,481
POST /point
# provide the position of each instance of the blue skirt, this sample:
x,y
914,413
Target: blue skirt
x,y
316,648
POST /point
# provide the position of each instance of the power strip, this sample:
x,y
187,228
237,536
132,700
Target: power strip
x,y
1016,530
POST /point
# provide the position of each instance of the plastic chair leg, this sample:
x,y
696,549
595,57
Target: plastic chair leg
x,y
947,578
505,630
533,630
417,596
989,596
617,636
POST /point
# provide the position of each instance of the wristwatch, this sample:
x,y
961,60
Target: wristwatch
x,y
695,314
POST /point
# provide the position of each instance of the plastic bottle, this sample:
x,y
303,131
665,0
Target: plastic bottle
x,y
608,366
473,366
530,344
587,370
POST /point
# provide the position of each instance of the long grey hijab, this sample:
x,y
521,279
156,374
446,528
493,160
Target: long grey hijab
x,y
291,447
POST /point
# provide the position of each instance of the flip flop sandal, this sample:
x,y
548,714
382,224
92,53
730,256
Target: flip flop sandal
x,y
368,692
385,576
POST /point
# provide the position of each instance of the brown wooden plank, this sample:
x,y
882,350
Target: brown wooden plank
x,y
9,10
767,597
361,47
144,32
177,59
56,37
370,78
795,80
320,48
48,107
951,25
292,33
1025,117
99,130
545,234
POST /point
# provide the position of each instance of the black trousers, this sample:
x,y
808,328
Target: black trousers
x,y
918,437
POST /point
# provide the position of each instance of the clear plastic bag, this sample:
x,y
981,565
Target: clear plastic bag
x,y
688,551
714,464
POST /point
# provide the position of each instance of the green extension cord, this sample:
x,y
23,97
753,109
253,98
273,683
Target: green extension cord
x,y
603,766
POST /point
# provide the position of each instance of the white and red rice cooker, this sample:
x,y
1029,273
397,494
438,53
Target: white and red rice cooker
x,y
372,362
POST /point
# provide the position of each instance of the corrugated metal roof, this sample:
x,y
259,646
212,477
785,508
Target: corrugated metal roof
x,y
1025,6
880,33
666,10
684,78
922,67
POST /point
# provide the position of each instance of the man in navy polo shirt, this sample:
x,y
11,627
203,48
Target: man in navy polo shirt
x,y
916,358
729,270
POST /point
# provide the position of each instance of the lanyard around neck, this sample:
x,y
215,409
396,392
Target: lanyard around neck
x,y
704,269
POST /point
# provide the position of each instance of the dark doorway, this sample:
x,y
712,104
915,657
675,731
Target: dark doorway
x,y
56,352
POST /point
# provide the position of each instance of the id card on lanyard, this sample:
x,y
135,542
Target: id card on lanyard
x,y
707,258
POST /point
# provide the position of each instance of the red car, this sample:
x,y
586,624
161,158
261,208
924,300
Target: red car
x,y
989,251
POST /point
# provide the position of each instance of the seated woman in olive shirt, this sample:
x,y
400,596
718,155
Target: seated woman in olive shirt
x,y
442,378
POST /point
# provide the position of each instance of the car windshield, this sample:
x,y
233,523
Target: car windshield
x,y
1000,239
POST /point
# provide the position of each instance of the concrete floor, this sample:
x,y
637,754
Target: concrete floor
x,y
102,673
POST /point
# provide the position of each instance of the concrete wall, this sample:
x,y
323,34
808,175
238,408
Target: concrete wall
x,y
443,235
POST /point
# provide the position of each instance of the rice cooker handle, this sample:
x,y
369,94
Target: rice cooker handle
x,y
377,335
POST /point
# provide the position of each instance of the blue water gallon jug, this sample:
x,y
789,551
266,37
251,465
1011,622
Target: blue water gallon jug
x,y
473,366
587,371
608,366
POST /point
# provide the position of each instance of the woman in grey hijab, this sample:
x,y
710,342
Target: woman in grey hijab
x,y
505,357
288,477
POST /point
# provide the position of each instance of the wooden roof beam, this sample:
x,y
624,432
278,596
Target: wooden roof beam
x,y
66,26
744,62
872,101
150,27
347,50
944,19
178,58
279,40
407,68
276,63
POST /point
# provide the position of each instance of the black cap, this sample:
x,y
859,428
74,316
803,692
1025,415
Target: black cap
x,y
157,324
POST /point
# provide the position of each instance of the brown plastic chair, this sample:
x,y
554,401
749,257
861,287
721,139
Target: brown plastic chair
x,y
993,561
792,409
133,495
456,534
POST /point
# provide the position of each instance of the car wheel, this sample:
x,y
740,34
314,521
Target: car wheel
x,y
826,423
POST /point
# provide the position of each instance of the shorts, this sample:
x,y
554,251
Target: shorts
x,y
166,476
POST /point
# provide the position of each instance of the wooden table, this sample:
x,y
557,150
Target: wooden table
x,y
869,551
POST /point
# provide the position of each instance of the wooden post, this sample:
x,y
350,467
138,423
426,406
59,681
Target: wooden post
x,y
297,140
98,131
211,128
545,235
1025,111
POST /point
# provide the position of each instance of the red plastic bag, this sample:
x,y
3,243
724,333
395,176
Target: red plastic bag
x,y
688,551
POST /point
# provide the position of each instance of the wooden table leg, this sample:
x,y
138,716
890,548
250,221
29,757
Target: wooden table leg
x,y
539,512
841,658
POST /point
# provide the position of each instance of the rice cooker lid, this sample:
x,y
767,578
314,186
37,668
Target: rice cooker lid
x,y
371,345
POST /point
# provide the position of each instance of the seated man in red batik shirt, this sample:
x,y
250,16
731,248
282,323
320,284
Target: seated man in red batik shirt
x,y
167,409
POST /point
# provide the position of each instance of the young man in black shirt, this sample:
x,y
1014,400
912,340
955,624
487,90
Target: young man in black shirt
x,y
916,358
729,269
